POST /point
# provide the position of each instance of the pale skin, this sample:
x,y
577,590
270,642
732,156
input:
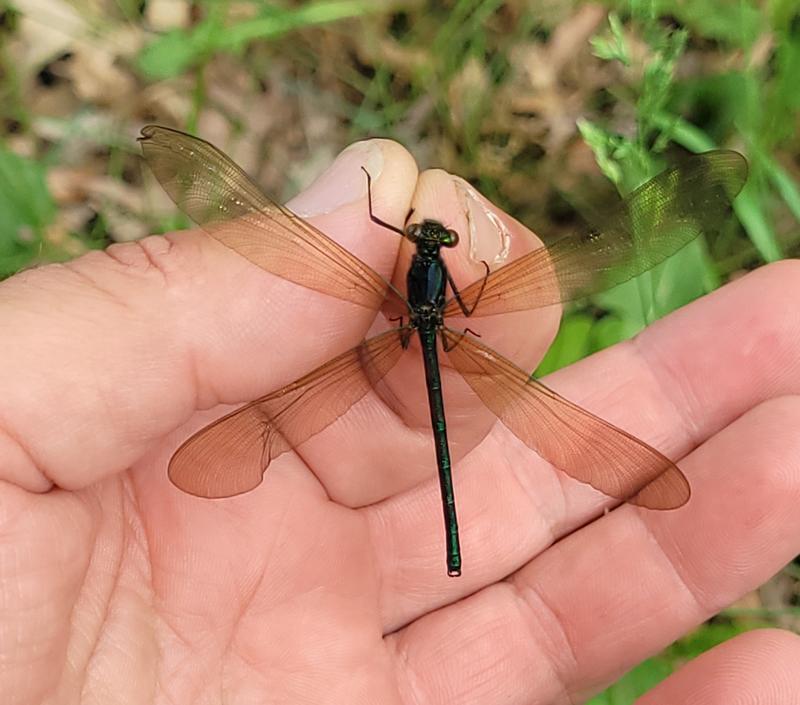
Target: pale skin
x,y
327,584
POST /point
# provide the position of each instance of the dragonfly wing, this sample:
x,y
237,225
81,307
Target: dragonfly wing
x,y
652,223
580,444
229,456
216,194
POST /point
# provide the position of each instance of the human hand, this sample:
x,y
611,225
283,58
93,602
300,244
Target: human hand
x,y
327,583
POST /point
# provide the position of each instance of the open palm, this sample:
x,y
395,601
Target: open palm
x,y
327,583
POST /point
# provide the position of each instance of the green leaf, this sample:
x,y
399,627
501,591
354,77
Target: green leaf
x,y
736,22
659,73
782,181
630,303
26,209
684,277
610,330
572,343
605,146
615,48
704,638
635,683
171,54
749,209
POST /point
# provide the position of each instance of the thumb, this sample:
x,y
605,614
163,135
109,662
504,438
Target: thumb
x,y
107,354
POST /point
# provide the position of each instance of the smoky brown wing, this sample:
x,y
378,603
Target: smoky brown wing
x,y
217,195
229,456
580,444
655,221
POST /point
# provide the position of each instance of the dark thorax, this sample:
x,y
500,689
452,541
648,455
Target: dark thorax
x,y
427,276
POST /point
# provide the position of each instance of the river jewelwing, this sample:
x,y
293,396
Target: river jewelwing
x,y
230,456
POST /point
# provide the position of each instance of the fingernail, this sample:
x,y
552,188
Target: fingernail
x,y
342,182
489,238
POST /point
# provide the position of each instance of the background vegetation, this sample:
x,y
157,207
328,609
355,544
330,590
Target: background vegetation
x,y
541,104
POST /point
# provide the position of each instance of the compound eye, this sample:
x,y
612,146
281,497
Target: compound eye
x,y
413,231
452,238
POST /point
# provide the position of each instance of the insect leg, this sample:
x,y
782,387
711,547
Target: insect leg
x,y
374,218
457,294
447,347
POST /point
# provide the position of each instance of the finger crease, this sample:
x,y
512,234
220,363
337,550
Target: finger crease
x,y
73,268
666,390
556,633
680,575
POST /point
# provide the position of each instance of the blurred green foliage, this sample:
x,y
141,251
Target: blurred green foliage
x,y
180,50
26,209
763,113
649,673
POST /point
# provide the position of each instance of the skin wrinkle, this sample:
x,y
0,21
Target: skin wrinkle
x,y
162,683
422,429
119,251
188,645
527,490
308,466
519,593
681,575
154,255
112,591
227,647
379,546
6,431
206,396
396,415
193,368
99,632
652,360
161,615
401,658
103,397
189,353
398,688
74,267
563,480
